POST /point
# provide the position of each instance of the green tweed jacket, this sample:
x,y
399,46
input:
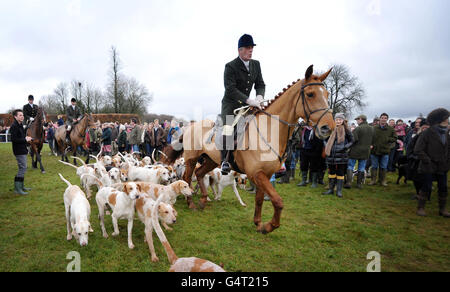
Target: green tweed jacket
x,y
239,83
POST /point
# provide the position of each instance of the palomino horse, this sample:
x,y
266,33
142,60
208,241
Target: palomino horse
x,y
307,99
77,138
36,131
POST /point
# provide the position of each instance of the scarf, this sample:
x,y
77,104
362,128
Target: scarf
x,y
340,132
442,131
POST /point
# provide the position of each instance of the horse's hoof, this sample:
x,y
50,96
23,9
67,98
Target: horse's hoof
x,y
43,171
201,205
266,228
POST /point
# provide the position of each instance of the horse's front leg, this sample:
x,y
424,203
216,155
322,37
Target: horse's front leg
x,y
86,149
74,154
200,173
265,187
38,158
33,162
187,177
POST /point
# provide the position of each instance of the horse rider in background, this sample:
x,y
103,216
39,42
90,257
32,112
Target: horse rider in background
x,y
73,116
29,112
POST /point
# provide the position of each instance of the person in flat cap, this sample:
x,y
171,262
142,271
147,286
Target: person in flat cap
x,y
73,116
29,111
240,76
360,151
433,151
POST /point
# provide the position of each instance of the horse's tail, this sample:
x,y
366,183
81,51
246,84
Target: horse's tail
x,y
173,151
64,180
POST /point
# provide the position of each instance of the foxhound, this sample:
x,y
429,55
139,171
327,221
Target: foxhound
x,y
192,264
122,204
78,212
146,211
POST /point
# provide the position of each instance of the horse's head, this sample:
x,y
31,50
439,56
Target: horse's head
x,y
90,120
314,101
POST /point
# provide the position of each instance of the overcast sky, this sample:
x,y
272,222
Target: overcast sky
x,y
400,50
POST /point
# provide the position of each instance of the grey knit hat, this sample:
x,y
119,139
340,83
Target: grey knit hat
x,y
340,116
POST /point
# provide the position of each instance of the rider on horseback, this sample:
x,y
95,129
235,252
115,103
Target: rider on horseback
x,y
240,76
74,115
29,111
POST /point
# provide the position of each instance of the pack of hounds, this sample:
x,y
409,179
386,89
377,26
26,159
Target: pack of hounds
x,y
128,185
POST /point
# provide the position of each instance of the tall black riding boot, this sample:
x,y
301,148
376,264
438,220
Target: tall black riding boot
x,y
225,155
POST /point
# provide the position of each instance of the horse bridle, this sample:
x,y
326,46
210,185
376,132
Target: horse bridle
x,y
307,115
310,113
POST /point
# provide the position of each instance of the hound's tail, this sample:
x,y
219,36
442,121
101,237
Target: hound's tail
x,y
78,158
162,237
99,183
68,164
64,180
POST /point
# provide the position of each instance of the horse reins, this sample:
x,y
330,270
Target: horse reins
x,y
307,115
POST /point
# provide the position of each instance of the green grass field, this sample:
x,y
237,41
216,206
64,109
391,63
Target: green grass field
x,y
317,233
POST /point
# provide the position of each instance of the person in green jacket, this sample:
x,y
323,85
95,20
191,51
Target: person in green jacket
x,y
240,76
383,138
134,139
360,151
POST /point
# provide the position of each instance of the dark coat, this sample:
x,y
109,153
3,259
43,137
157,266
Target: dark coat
x,y
413,160
19,143
50,133
114,134
362,137
433,155
383,140
310,147
72,114
239,83
122,140
157,138
339,151
29,111
106,136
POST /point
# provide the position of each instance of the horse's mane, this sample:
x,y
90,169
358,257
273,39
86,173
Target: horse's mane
x,y
279,95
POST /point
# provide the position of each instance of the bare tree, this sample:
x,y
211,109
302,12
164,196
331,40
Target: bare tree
x,y
92,98
61,94
50,104
114,88
137,97
76,91
346,91
98,100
